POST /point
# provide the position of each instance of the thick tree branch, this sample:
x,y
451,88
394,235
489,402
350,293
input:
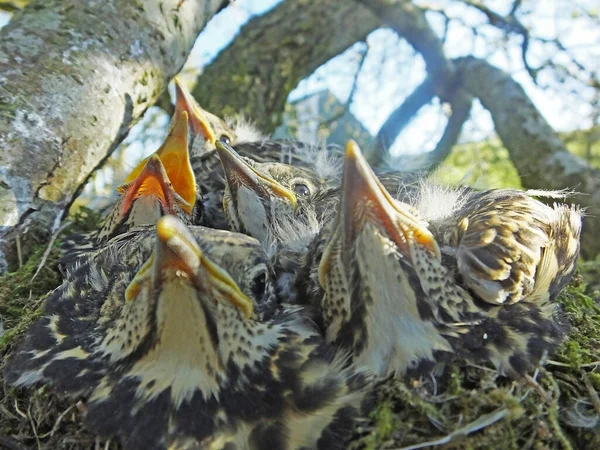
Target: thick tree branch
x,y
539,155
274,52
75,75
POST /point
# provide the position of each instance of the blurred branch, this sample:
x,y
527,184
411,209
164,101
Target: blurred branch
x,y
410,23
461,109
13,5
401,117
509,24
361,63
539,155
346,106
164,103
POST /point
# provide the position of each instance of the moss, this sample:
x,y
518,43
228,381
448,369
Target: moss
x,y
21,298
558,413
384,425
22,291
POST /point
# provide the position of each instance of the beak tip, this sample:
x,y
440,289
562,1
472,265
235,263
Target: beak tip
x,y
352,150
166,227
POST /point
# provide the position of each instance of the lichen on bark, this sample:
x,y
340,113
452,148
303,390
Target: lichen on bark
x,y
75,76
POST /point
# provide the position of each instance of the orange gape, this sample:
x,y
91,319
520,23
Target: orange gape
x,y
174,156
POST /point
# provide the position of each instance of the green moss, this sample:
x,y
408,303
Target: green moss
x,y
550,415
22,291
583,312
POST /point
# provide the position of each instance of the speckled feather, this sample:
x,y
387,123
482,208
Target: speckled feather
x,y
404,312
297,393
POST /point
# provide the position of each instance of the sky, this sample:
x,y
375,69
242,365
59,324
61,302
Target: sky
x,y
390,59
392,70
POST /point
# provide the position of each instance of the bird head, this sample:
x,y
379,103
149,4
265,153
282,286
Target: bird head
x,y
373,302
252,199
205,127
185,317
160,184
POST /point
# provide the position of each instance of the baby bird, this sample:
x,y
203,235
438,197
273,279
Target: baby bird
x,y
184,360
163,183
257,195
206,128
391,300
508,246
303,168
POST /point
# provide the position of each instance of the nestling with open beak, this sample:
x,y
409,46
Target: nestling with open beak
x,y
160,184
205,127
390,299
184,358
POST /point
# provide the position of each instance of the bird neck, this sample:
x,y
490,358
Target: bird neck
x,y
145,210
386,321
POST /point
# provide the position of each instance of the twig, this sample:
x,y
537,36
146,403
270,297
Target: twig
x,y
34,428
49,249
57,422
593,394
19,254
484,421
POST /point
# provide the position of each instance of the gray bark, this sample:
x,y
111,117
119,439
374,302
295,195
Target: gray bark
x,y
542,160
274,52
75,76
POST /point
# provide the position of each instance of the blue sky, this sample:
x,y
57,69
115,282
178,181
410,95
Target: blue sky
x,y
392,70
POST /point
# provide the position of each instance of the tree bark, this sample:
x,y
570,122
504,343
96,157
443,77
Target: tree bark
x,y
274,52
539,155
75,76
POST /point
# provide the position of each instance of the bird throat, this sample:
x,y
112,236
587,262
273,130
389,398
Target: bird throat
x,y
182,356
395,335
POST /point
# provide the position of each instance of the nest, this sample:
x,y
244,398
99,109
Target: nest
x,y
463,406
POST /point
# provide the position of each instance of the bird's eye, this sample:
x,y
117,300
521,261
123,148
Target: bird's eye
x,y
259,285
225,139
301,189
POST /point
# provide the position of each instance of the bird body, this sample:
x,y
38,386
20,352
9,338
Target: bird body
x,y
180,352
399,305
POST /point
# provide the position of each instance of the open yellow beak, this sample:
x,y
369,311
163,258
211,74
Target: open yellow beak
x,y
178,249
152,180
174,155
198,120
239,172
364,199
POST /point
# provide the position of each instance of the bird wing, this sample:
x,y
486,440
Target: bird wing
x,y
505,244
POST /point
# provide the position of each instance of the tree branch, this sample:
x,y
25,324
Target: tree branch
x,y
274,52
75,76
401,116
410,23
461,109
